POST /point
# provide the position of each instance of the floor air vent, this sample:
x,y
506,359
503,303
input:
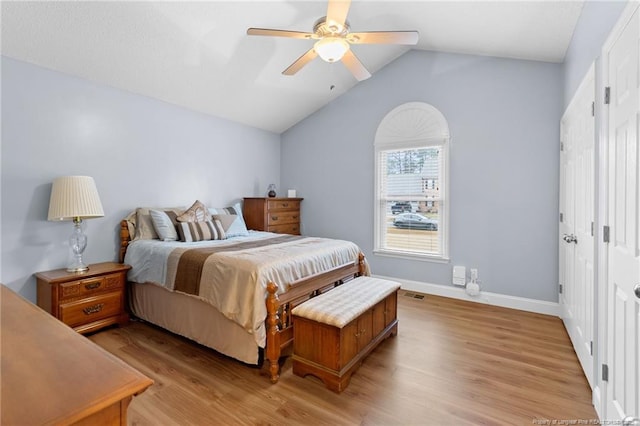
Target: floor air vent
x,y
414,295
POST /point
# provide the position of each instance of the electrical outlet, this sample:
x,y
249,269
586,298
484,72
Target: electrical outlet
x,y
474,274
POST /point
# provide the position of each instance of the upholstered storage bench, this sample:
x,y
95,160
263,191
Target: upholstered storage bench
x,y
334,331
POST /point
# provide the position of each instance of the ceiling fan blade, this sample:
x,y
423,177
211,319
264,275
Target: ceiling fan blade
x,y
384,37
303,60
355,66
337,11
279,33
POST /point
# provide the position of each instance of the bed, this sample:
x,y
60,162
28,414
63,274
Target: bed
x,y
234,295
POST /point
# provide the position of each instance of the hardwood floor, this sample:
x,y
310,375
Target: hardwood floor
x,y
452,363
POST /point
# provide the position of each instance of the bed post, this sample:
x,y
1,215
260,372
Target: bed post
x,y
272,350
362,266
124,239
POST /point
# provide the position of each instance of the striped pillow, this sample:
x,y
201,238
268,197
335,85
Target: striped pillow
x,y
201,231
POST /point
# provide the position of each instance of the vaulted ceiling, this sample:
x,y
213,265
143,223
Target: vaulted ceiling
x,y
197,54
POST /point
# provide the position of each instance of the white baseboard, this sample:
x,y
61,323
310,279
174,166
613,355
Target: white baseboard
x,y
495,299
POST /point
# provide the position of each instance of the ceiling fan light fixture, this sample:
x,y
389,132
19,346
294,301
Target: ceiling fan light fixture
x,y
331,49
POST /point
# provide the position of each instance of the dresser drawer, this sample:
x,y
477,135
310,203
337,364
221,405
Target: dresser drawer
x,y
91,309
289,228
90,286
282,217
273,205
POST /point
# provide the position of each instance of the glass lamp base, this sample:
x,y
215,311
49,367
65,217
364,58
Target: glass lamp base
x,y
77,268
78,242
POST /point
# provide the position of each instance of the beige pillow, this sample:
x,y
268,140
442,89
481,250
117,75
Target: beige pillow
x,y
198,212
144,225
225,219
131,224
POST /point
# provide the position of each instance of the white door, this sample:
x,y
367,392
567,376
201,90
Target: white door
x,y
577,207
623,305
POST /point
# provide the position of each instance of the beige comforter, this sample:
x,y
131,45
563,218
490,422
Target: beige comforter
x,y
233,277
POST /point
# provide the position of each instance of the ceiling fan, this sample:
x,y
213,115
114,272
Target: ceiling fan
x,y
333,39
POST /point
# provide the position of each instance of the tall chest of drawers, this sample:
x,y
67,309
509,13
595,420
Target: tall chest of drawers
x,y
85,301
279,215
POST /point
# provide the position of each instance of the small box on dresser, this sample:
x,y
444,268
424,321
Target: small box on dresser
x,y
86,301
279,215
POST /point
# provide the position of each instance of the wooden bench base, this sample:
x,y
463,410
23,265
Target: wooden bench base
x,y
333,354
337,381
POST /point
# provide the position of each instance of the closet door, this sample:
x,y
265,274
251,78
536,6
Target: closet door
x,y
576,249
623,248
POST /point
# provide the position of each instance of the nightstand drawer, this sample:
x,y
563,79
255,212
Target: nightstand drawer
x,y
273,205
90,286
91,309
290,228
282,217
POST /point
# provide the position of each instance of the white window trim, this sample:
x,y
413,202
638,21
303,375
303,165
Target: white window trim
x,y
410,125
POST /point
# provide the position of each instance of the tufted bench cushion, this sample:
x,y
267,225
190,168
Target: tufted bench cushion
x,y
347,302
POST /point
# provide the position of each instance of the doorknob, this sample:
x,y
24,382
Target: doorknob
x,y
570,238
636,290
631,421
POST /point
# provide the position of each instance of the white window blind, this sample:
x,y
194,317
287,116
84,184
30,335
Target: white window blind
x,y
411,181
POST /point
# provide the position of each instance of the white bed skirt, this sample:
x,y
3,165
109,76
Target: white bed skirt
x,y
194,319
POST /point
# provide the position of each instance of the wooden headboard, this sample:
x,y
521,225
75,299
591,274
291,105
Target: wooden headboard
x,y
125,239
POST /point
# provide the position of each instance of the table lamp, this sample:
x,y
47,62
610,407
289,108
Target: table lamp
x,y
75,198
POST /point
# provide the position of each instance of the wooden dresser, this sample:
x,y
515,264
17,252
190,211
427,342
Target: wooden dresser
x,y
279,215
86,301
53,375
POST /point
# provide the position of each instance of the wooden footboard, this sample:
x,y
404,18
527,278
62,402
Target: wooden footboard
x,y
279,321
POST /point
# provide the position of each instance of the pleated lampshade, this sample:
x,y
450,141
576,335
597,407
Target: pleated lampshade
x,y
74,197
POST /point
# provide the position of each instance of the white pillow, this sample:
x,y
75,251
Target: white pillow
x,y
163,225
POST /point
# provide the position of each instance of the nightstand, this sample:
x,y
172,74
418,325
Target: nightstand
x,y
86,301
279,215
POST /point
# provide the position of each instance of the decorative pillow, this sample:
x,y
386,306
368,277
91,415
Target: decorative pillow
x,y
201,231
238,227
226,220
131,224
164,224
144,225
196,213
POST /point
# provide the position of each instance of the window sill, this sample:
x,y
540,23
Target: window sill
x,y
411,256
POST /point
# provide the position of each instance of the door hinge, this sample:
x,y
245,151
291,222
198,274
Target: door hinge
x,y
605,233
592,229
607,95
591,348
605,373
560,288
561,146
593,109
561,217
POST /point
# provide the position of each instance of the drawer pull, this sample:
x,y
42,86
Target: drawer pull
x,y
93,309
274,217
92,286
285,204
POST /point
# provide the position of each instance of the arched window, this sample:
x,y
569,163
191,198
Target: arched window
x,y
412,157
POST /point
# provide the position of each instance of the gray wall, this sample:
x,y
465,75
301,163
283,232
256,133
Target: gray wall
x,y
504,121
139,151
593,28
